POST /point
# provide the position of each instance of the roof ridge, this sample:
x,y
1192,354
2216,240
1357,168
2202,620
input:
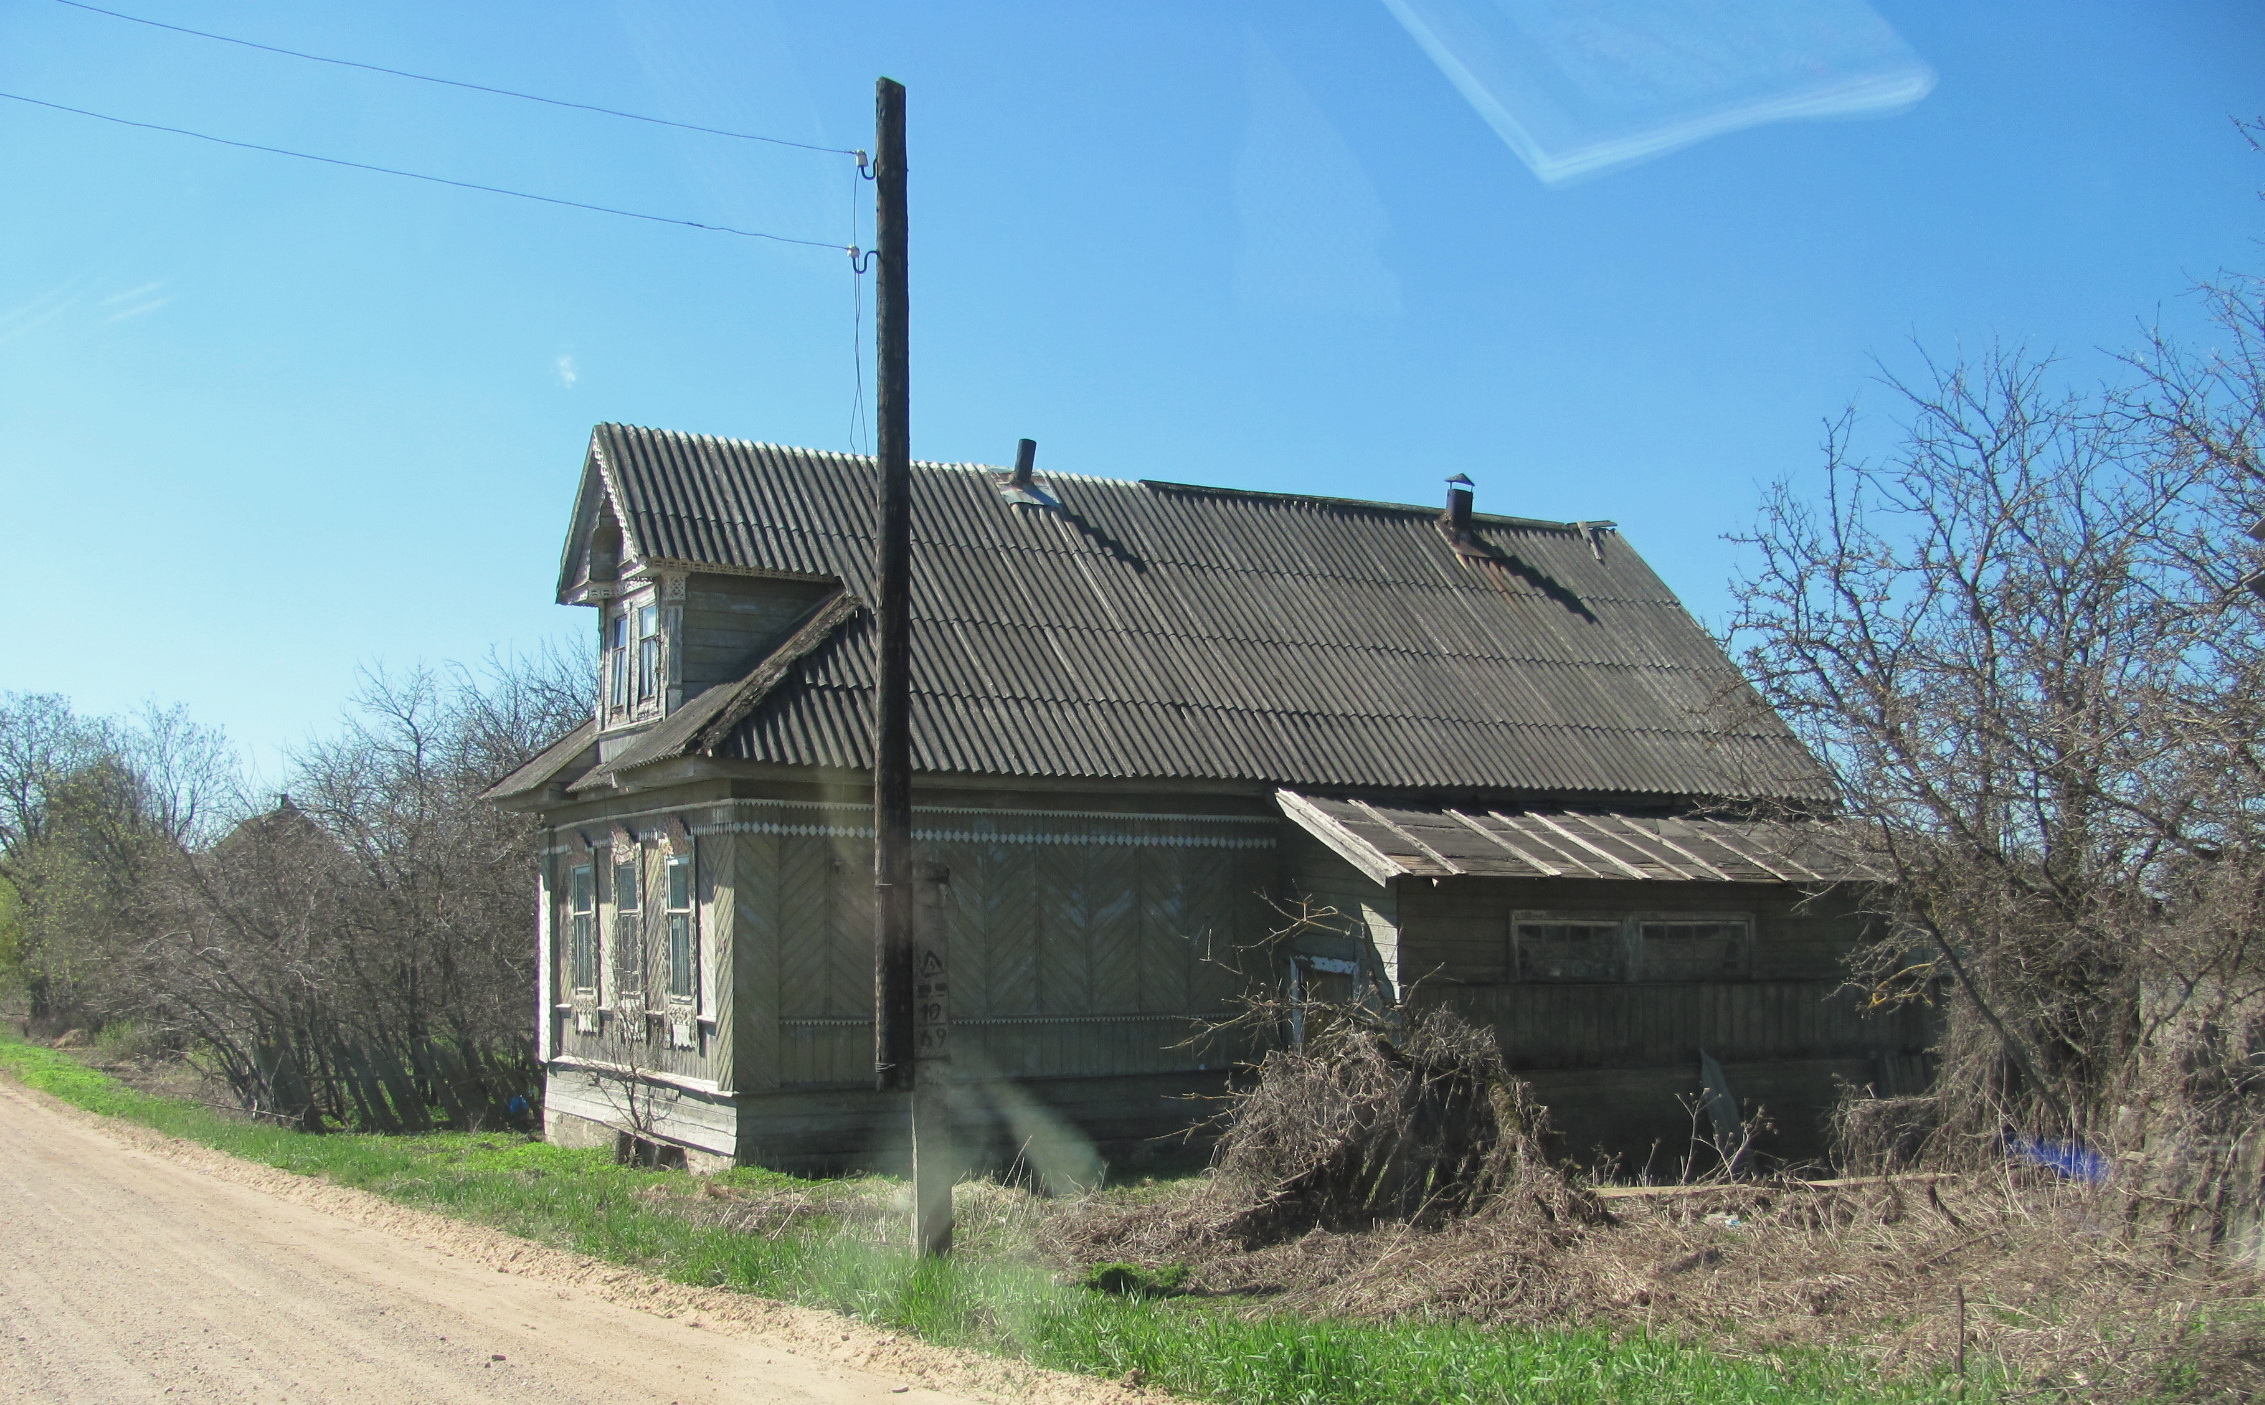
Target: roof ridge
x,y
1208,489
948,465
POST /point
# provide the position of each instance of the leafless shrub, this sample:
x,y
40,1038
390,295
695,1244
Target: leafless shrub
x,y
359,953
2021,640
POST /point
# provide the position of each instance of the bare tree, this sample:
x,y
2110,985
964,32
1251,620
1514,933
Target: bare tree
x,y
359,953
2021,642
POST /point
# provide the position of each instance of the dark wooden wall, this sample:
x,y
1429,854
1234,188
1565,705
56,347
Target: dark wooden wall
x,y
1617,1061
729,623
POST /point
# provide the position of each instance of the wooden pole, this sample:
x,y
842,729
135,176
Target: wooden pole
x,y
896,1058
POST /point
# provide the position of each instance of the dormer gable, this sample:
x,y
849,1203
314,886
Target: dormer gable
x,y
668,629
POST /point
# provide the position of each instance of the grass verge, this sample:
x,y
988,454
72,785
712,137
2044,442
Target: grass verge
x,y
994,1302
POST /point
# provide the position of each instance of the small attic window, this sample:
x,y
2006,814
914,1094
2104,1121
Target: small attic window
x,y
603,564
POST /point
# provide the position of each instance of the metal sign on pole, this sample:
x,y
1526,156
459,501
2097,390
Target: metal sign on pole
x,y
910,986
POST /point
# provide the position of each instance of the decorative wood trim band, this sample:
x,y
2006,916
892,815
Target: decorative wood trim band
x,y
866,1021
972,836
1129,816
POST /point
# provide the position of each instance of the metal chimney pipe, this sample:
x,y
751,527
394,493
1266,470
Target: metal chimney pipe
x,y
1459,503
1026,459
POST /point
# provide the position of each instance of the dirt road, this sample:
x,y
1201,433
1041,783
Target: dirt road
x,y
136,1268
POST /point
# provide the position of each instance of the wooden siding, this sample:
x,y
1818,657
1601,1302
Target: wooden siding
x,y
1552,1026
698,1118
1457,930
1118,1121
1616,1061
1365,909
1080,945
641,1042
728,623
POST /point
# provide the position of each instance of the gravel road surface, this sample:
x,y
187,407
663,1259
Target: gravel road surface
x,y
137,1268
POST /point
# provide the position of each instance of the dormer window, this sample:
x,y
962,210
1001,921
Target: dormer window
x,y
631,679
648,623
616,661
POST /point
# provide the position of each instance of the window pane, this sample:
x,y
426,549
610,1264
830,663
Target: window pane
x,y
1568,951
680,956
625,885
616,662
583,886
1693,949
679,884
629,955
583,953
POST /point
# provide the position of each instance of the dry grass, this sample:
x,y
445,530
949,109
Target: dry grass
x,y
2070,1291
2062,1291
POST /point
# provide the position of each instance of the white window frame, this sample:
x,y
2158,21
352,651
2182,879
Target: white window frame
x,y
680,922
614,665
583,940
630,958
650,664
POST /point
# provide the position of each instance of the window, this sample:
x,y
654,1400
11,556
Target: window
x,y
582,929
1695,948
617,661
1552,948
648,653
683,949
628,928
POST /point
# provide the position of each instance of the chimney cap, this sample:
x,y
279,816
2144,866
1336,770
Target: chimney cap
x,y
1462,478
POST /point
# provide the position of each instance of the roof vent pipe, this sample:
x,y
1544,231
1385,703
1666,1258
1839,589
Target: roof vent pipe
x,y
1459,503
1018,489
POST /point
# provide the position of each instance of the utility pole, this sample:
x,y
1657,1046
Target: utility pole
x,y
910,991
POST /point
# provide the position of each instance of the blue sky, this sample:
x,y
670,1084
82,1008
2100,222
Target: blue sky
x,y
269,422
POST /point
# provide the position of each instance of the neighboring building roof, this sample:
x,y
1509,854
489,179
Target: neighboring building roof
x,y
1156,630
1394,841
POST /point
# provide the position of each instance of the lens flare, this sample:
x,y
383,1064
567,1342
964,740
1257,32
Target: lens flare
x,y
1578,87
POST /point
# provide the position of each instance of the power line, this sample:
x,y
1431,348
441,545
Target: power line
x,y
453,83
420,176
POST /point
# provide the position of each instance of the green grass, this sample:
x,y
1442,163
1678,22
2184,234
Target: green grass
x,y
581,1200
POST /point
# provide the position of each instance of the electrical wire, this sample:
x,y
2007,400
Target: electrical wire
x,y
420,176
454,83
856,320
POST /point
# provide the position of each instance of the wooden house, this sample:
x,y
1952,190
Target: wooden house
x,y
1496,758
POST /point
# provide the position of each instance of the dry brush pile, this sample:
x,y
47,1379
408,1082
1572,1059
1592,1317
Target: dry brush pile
x,y
1404,1175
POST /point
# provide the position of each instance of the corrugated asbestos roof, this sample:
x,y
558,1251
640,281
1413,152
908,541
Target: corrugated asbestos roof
x,y
1157,630
538,771
1394,841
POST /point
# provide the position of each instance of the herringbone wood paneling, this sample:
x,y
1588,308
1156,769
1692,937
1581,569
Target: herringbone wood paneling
x,y
1065,917
1113,926
805,924
1170,930
746,924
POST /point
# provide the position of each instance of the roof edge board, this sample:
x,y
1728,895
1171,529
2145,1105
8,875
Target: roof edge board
x,y
1341,841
